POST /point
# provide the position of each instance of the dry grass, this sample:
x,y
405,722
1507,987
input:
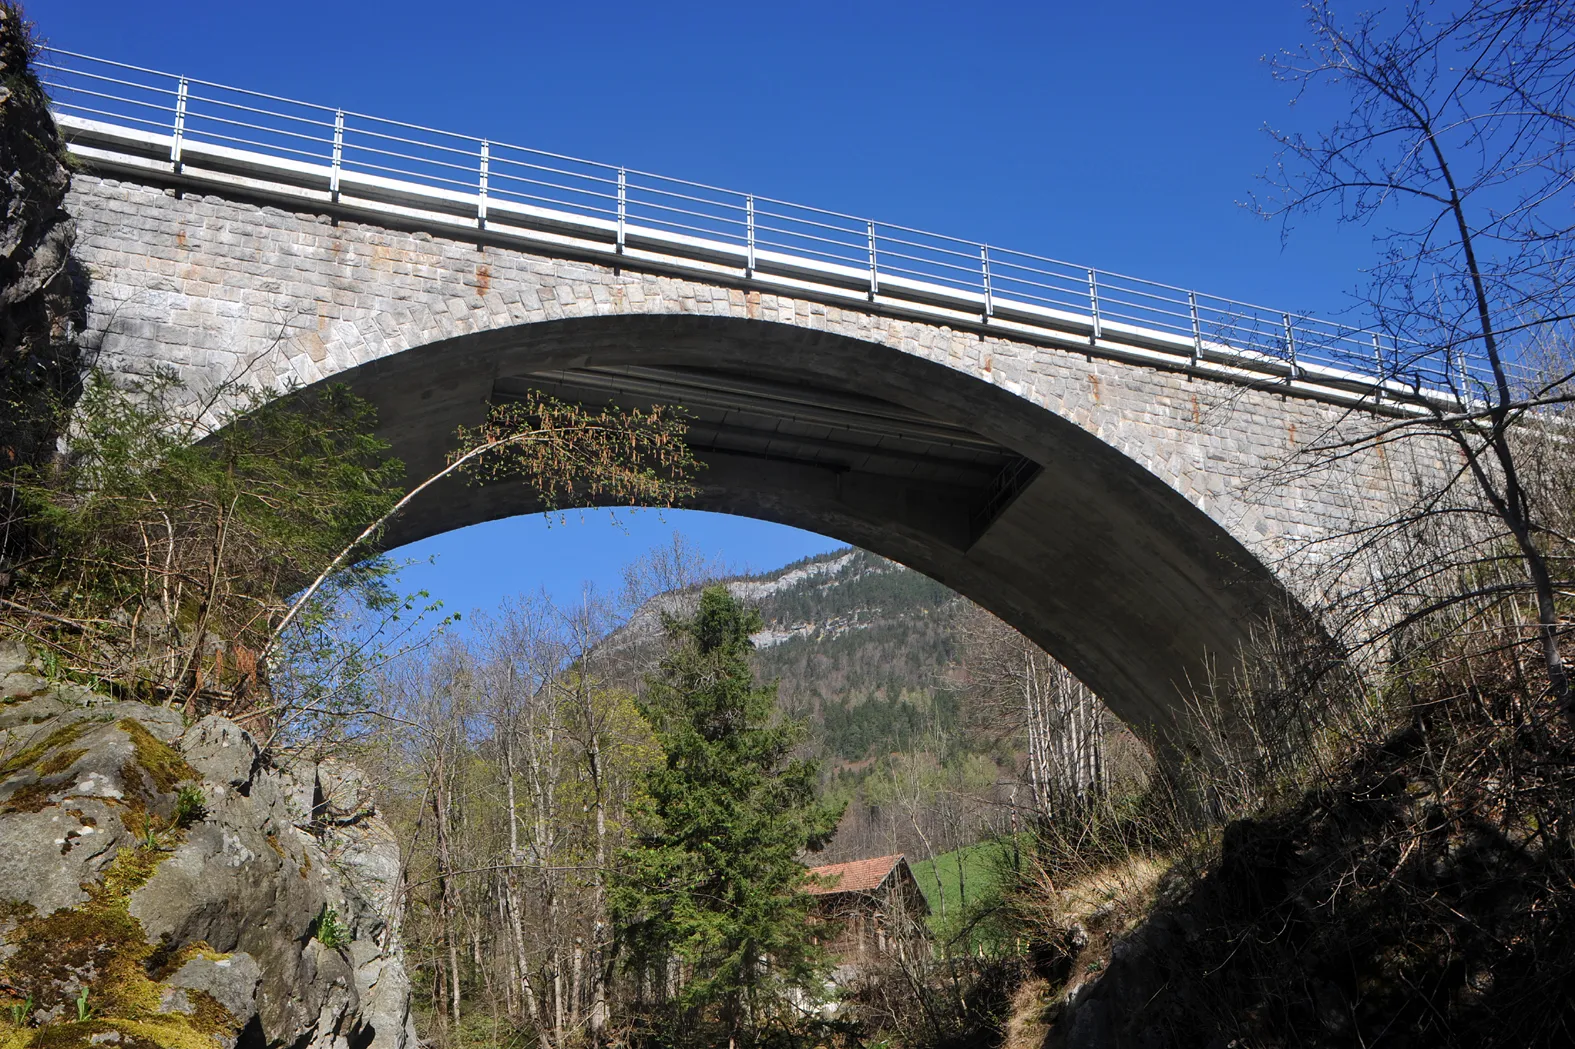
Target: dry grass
x,y
1029,1021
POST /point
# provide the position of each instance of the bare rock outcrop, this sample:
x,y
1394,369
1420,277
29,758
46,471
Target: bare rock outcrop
x,y
43,291
163,885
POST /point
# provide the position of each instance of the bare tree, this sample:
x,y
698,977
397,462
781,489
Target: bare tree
x,y
1459,142
1018,688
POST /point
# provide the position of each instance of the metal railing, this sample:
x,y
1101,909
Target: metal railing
x,y
364,157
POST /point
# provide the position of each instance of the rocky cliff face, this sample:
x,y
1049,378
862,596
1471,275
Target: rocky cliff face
x,y
162,886
43,292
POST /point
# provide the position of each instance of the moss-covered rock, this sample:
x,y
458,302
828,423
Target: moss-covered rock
x,y
132,917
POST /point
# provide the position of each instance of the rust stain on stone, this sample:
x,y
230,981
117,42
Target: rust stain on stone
x,y
483,278
752,305
1093,382
180,237
1197,411
1290,429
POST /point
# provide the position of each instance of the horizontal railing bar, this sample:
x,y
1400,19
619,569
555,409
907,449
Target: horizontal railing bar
x,y
369,133
857,247
159,127
514,195
192,97
812,253
208,137
208,117
117,98
427,161
971,256
974,269
634,186
173,92
367,166
498,167
669,224
578,191
653,205
591,201
929,267
195,80
860,231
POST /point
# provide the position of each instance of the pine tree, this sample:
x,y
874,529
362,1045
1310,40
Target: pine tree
x,y
710,903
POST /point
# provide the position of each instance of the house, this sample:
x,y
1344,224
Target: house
x,y
869,908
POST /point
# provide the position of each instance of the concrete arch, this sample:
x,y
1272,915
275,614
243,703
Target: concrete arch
x,y
1090,554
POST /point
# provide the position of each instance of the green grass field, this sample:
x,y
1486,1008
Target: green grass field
x,y
961,877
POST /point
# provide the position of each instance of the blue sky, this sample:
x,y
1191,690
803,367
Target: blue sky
x,y
1118,135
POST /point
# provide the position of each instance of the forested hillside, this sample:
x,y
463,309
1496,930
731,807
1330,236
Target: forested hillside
x,y
861,646
871,654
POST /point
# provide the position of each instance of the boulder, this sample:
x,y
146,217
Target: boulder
x,y
231,981
217,903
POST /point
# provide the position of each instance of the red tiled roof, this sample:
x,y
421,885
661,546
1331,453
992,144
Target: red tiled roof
x,y
855,876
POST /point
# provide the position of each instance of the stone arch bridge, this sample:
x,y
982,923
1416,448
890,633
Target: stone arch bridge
x,y
1103,480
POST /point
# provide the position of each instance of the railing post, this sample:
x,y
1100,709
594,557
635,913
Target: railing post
x,y
623,206
339,152
749,233
874,268
1197,328
1095,333
1290,347
481,196
180,124
989,294
1378,370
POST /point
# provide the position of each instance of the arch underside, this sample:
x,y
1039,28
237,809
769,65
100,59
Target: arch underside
x,y
1091,556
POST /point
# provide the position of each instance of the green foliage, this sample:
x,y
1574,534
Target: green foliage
x,y
329,931
569,455
190,806
880,723
164,537
713,877
83,1009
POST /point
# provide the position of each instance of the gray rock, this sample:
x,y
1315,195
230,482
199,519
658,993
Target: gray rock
x,y
1091,1027
164,722
232,981
384,988
342,793
19,684
14,657
222,752
25,712
244,879
297,786
49,854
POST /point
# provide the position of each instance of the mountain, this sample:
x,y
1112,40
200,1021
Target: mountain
x,y
866,651
859,645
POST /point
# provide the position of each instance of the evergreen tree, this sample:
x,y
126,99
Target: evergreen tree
x,y
710,903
